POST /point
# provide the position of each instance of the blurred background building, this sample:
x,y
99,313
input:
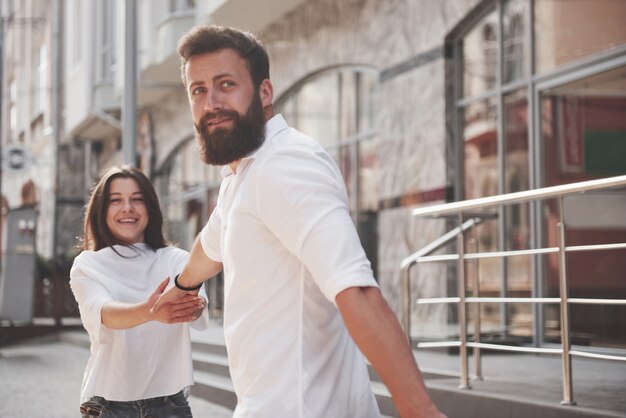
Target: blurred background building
x,y
420,102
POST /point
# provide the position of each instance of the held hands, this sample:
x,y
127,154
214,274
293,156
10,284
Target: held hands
x,y
173,308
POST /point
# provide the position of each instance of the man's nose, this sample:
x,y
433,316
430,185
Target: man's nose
x,y
213,101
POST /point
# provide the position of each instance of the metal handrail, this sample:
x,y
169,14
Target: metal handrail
x,y
411,260
462,209
520,197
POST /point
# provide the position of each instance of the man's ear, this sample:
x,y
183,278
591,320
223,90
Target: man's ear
x,y
266,90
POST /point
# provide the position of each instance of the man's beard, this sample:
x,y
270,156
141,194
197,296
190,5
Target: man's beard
x,y
223,145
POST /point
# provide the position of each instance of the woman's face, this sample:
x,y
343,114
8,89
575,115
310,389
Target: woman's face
x,y
127,216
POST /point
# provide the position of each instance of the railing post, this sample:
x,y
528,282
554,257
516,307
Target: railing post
x,y
406,300
478,365
462,307
565,335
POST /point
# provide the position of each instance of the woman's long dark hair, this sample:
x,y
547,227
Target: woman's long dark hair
x,y
97,233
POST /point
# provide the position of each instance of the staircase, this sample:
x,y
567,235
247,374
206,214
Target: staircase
x,y
210,364
537,395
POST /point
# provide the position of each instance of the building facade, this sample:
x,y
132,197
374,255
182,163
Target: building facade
x,y
420,102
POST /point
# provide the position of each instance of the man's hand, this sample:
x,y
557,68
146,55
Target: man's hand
x,y
160,299
172,307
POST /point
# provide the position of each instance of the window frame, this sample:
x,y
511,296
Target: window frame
x,y
535,84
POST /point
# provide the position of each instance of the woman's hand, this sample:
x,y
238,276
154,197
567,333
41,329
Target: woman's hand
x,y
187,308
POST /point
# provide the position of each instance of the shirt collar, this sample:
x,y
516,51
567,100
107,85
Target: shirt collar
x,y
272,127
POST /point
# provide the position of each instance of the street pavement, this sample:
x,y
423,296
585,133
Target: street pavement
x,y
41,378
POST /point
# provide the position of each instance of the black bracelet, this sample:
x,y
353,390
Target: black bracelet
x,y
186,289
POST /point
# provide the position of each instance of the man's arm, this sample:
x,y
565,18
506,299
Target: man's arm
x,y
199,268
377,332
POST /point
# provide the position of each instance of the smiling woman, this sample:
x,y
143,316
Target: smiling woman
x,y
125,266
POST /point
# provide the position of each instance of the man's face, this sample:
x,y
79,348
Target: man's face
x,y
227,109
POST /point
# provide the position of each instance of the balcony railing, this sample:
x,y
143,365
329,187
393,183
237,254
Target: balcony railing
x,y
467,221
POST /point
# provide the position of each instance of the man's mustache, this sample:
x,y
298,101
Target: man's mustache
x,y
222,114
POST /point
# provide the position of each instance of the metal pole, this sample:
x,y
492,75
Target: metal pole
x,y
406,300
462,306
57,91
478,368
2,128
565,336
129,110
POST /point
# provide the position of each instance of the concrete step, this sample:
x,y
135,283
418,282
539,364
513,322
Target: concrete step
x,y
214,388
213,383
534,391
208,362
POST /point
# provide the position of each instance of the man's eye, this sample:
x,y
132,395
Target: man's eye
x,y
228,83
197,90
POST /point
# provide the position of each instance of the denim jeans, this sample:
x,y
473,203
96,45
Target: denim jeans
x,y
172,406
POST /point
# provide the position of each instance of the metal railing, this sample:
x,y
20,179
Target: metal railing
x,y
461,211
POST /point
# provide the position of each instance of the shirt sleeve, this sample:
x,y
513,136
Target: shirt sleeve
x,y
303,201
91,296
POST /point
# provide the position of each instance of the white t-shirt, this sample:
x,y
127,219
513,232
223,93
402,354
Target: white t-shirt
x,y
149,360
284,234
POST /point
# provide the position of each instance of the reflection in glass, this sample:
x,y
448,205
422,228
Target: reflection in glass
x,y
570,30
480,134
584,137
480,53
517,217
515,48
516,166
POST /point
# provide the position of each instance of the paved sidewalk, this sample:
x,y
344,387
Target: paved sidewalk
x,y
41,378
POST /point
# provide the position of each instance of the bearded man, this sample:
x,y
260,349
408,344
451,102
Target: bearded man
x,y
299,291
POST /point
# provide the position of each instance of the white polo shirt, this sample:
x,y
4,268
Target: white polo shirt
x,y
146,361
284,234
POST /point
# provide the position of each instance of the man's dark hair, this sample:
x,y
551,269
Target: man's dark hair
x,y
97,233
204,39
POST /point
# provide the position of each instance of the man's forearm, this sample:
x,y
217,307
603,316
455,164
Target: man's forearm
x,y
377,333
199,268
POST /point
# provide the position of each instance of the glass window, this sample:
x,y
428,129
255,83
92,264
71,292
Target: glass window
x,y
583,137
585,128
479,49
516,168
515,48
567,30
